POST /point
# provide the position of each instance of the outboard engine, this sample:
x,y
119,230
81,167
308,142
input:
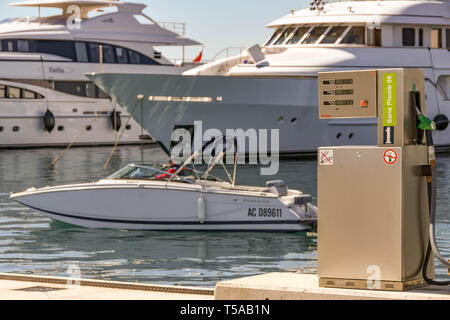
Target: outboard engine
x,y
49,121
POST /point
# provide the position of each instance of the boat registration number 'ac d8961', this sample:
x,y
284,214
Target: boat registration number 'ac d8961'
x,y
265,212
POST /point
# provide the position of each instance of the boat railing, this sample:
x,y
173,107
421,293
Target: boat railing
x,y
226,59
177,27
227,51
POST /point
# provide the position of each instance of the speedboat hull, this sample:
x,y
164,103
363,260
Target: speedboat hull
x,y
157,205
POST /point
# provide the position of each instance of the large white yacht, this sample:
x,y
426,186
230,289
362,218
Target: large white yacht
x,y
45,98
276,87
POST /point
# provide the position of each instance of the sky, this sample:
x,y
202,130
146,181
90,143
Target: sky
x,y
216,24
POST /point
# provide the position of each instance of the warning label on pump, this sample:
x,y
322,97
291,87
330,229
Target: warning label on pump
x,y
326,157
390,156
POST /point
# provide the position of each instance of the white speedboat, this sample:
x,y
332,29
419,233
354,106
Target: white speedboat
x,y
45,99
136,198
276,87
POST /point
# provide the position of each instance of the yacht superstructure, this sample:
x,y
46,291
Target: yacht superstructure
x,y
45,98
275,87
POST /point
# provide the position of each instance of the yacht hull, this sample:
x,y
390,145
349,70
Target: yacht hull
x,y
287,104
157,207
249,103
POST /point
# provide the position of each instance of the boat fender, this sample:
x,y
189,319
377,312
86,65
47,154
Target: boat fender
x,y
49,121
116,121
201,209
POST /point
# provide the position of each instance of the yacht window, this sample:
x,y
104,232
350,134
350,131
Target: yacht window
x,y
9,45
81,89
421,37
71,87
286,33
2,91
13,92
374,37
58,48
134,57
443,86
90,90
1,47
274,37
333,35
298,35
108,54
82,55
314,35
356,35
121,55
436,38
94,52
99,93
447,38
409,36
23,46
27,94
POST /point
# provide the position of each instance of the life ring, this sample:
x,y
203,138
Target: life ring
x,y
116,121
49,121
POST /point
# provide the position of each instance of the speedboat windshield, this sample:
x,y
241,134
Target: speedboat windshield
x,y
154,172
133,172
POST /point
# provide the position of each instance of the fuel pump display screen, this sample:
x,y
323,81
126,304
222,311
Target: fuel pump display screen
x,y
348,94
343,92
343,81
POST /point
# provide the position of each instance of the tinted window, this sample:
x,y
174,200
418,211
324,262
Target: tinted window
x,y
134,57
2,91
420,37
286,33
8,45
274,36
58,48
94,52
122,56
100,93
82,55
108,54
74,88
90,90
23,46
356,35
314,35
82,89
298,35
333,35
447,38
409,37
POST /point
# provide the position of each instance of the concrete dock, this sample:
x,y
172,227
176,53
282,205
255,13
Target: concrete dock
x,y
271,286
29,287
296,286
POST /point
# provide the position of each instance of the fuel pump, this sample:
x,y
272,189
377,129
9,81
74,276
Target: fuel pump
x,y
377,203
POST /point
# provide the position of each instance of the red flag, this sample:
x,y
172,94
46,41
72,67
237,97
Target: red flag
x,y
198,59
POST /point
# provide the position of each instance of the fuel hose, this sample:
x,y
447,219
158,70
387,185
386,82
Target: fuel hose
x,y
432,246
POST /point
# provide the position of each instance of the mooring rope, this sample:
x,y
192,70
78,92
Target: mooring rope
x,y
116,144
75,140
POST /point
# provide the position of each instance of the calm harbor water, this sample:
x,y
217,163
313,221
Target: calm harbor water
x,y
30,243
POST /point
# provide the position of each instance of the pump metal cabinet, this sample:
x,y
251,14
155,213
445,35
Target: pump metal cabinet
x,y
371,222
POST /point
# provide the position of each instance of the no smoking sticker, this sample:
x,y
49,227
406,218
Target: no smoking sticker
x,y
326,157
390,156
